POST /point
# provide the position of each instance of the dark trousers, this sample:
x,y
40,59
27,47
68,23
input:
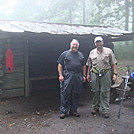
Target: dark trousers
x,y
70,91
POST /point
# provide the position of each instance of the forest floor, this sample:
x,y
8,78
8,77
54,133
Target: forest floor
x,y
39,113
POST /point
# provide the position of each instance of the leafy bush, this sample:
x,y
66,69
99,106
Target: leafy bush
x,y
124,50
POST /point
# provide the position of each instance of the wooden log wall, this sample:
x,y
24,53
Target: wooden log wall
x,y
12,83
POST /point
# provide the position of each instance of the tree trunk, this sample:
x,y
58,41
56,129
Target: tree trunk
x,y
126,17
133,20
70,15
84,12
133,16
126,14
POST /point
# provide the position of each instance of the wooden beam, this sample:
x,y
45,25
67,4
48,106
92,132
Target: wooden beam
x,y
44,77
26,66
12,93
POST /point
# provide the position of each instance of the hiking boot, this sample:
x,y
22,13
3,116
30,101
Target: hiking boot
x,y
105,115
94,111
62,116
75,114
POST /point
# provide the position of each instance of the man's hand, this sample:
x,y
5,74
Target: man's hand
x,y
114,77
61,78
84,78
88,78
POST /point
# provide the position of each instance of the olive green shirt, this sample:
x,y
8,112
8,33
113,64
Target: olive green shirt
x,y
103,60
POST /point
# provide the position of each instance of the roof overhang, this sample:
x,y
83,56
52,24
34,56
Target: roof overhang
x,y
64,29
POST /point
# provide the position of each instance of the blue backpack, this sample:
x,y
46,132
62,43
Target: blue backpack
x,y
132,75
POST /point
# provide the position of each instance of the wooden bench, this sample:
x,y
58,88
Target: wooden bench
x,y
117,89
37,78
113,92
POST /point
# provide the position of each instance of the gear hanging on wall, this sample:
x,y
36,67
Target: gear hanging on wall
x,y
9,59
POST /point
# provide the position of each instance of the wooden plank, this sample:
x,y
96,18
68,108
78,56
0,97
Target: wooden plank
x,y
41,78
16,62
18,58
18,53
44,77
26,65
12,93
4,36
13,84
17,45
13,76
17,69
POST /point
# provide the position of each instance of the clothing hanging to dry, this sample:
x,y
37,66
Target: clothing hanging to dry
x,y
9,59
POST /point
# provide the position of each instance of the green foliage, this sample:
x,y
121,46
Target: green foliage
x,y
124,51
97,12
108,13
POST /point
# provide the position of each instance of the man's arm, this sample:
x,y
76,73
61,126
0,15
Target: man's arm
x,y
61,78
84,73
89,64
88,73
114,72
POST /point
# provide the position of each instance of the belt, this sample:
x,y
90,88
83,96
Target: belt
x,y
100,72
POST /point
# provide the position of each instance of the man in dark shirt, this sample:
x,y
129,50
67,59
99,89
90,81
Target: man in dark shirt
x,y
72,72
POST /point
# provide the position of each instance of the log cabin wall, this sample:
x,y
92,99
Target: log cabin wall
x,y
35,56
12,83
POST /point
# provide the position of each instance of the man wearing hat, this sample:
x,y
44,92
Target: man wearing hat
x,y
72,72
101,63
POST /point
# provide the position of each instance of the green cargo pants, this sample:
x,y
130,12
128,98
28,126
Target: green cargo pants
x,y
100,85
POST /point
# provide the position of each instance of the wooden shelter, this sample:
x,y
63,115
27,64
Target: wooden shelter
x,y
36,47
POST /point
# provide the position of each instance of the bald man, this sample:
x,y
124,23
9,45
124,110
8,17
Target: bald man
x,y
72,72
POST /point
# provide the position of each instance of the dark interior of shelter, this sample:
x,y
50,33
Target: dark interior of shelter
x,y
43,54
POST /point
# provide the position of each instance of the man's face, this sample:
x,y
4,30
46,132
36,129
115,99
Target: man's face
x,y
99,44
74,47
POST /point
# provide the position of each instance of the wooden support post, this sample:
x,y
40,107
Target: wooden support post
x,y
26,66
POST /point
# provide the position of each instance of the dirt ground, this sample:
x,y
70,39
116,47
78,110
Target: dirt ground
x,y
39,113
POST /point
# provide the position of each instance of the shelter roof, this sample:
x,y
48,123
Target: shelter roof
x,y
63,29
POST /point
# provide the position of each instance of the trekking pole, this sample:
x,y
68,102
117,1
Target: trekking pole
x,y
124,90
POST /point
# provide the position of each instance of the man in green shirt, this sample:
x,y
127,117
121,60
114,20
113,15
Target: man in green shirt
x,y
100,62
